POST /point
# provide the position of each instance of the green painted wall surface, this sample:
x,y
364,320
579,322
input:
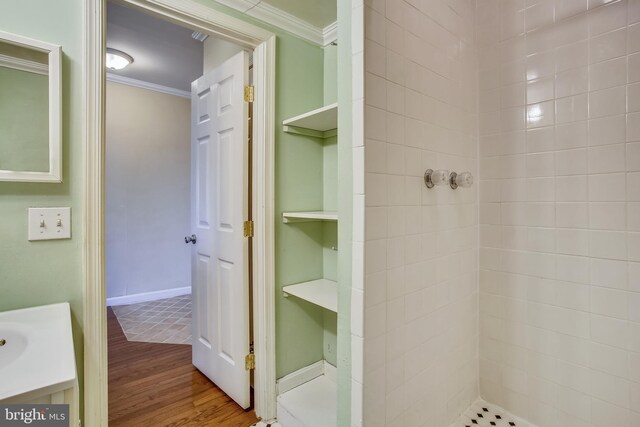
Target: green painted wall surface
x,y
330,74
37,273
345,209
24,101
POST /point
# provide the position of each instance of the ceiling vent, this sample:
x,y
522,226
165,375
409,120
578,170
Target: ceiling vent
x,y
201,37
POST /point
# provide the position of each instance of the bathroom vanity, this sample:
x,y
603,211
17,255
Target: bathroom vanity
x,y
37,360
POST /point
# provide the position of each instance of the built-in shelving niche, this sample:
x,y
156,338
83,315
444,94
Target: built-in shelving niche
x,y
311,391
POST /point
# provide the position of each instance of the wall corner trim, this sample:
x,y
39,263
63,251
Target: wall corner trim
x,y
285,21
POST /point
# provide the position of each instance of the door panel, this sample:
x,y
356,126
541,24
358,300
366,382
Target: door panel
x,y
219,193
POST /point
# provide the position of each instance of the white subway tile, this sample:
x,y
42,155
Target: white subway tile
x,y
608,46
608,273
608,187
609,302
607,159
608,73
607,102
607,130
607,18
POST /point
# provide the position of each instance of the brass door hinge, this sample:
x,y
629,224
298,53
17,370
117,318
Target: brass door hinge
x,y
248,229
250,362
248,94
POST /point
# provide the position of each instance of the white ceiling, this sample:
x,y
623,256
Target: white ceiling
x,y
163,53
318,13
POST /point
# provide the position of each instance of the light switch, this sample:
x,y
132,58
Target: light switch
x,y
49,223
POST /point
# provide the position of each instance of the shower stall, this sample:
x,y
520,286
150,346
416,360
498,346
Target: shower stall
x,y
522,290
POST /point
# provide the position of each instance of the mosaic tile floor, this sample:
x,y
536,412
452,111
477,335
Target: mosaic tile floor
x,y
163,321
483,414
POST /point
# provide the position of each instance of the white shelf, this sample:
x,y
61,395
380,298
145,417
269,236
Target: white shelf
x,y
319,122
322,292
312,404
309,216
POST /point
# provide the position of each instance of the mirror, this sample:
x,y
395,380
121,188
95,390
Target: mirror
x,y
30,110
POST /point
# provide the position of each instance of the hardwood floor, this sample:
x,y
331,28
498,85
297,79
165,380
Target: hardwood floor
x,y
156,385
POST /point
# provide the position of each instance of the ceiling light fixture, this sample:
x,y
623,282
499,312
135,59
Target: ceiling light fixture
x,y
117,60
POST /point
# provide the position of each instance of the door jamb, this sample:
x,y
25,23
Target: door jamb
x,y
263,43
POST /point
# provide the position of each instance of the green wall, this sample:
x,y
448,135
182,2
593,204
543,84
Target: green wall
x,y
24,100
36,273
330,74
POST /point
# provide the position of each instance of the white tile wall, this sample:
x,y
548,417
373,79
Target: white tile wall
x,y
559,216
420,285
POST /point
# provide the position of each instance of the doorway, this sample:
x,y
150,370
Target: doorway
x,y
262,42
177,165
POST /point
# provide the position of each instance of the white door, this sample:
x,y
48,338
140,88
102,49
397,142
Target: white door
x,y
219,207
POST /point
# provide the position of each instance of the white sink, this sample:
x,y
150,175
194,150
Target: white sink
x,y
37,357
13,341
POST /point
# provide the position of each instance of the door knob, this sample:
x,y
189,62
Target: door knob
x,y
191,239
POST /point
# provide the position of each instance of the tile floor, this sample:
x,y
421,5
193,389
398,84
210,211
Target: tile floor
x,y
163,321
483,414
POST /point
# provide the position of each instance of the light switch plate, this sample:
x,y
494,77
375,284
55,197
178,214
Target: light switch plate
x,y
49,223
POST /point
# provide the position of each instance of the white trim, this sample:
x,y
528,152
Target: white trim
x,y
285,21
264,294
306,374
263,43
330,33
301,376
24,65
115,78
94,309
148,296
330,371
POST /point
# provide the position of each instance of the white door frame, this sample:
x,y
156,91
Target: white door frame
x,y
263,44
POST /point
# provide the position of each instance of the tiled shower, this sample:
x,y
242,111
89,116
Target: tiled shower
x,y
524,289
559,102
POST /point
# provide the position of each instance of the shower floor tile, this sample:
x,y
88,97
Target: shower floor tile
x,y
483,414
163,321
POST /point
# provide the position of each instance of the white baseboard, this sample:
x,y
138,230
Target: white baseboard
x,y
148,296
304,375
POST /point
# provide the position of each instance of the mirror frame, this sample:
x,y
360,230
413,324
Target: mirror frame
x,y
54,52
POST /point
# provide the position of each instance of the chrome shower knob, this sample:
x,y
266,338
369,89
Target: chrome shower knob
x,y
464,180
435,177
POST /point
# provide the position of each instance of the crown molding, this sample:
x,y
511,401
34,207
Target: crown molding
x,y
115,78
284,20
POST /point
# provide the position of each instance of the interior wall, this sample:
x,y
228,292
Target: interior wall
x,y
420,245
560,210
148,145
47,272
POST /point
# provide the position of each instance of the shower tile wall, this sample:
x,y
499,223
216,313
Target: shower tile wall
x,y
559,103
421,295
